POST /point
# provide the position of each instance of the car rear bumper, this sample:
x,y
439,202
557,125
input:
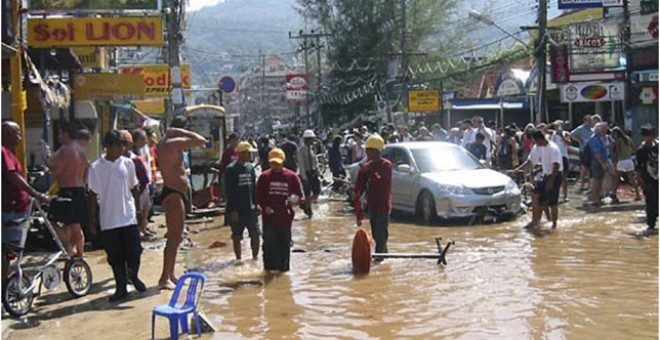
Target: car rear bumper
x,y
471,205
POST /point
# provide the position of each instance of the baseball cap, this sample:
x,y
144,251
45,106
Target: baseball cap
x,y
245,147
276,155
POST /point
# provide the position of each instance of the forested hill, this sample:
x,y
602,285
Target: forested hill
x,y
226,38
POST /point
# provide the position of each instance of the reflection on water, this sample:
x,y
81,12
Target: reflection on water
x,y
590,278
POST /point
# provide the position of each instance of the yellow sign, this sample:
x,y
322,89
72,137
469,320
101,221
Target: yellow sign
x,y
92,85
91,57
157,77
423,101
152,107
67,32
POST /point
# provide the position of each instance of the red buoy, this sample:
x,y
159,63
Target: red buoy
x,y
361,254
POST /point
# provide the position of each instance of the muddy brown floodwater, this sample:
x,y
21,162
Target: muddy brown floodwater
x,y
595,277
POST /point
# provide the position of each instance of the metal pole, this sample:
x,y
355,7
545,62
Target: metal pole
x,y
18,103
318,88
18,95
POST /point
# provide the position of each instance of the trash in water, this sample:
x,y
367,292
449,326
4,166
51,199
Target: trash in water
x,y
217,244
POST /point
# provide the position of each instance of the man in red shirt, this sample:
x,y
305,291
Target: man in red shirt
x,y
16,192
376,176
278,190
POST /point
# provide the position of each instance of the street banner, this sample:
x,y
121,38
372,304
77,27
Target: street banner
x,y
559,69
595,45
152,107
296,88
91,57
643,23
157,81
94,85
591,92
572,4
423,100
68,32
52,5
648,95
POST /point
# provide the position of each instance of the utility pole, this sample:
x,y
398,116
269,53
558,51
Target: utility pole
x,y
305,47
262,88
540,51
627,91
319,119
175,14
404,56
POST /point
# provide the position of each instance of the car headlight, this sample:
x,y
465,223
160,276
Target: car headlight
x,y
454,190
511,186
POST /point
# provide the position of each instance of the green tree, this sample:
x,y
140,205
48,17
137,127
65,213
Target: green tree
x,y
367,37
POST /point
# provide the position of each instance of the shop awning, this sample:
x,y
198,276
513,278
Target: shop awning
x,y
55,58
489,104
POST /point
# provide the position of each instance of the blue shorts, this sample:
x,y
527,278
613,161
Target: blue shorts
x,y
249,221
15,228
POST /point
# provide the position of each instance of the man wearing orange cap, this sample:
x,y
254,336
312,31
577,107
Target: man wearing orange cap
x,y
278,190
241,205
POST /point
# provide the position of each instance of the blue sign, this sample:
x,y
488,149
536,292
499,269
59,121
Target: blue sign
x,y
227,84
570,4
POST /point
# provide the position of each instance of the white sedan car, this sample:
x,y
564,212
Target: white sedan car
x,y
438,179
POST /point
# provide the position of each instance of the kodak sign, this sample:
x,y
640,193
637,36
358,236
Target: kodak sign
x,y
157,77
68,32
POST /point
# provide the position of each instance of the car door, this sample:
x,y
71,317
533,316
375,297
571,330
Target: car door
x,y
401,181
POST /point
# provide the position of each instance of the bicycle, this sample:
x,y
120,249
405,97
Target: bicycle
x,y
18,289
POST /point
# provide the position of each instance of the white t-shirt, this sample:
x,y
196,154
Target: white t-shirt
x,y
559,140
546,156
112,182
470,135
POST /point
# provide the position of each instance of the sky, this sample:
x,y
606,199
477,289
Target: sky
x,y
194,5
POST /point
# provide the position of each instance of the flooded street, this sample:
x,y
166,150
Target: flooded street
x,y
593,277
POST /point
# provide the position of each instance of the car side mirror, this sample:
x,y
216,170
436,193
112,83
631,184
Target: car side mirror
x,y
405,168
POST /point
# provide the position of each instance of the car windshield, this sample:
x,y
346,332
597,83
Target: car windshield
x,y
444,159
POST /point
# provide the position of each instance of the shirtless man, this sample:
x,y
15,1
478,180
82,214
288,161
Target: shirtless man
x,y
69,167
175,187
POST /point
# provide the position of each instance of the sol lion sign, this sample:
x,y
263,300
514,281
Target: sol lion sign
x,y
67,32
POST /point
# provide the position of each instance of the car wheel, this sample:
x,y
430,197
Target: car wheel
x,y
426,208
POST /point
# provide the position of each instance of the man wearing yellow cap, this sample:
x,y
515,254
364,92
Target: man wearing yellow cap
x,y
241,205
278,190
376,176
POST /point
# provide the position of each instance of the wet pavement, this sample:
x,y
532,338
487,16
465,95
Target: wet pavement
x,y
595,276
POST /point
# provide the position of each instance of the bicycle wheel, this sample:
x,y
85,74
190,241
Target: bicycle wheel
x,y
78,277
14,303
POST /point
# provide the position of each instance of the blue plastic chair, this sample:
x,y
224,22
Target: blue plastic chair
x,y
179,313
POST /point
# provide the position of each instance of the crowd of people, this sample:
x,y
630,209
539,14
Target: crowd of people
x,y
116,192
